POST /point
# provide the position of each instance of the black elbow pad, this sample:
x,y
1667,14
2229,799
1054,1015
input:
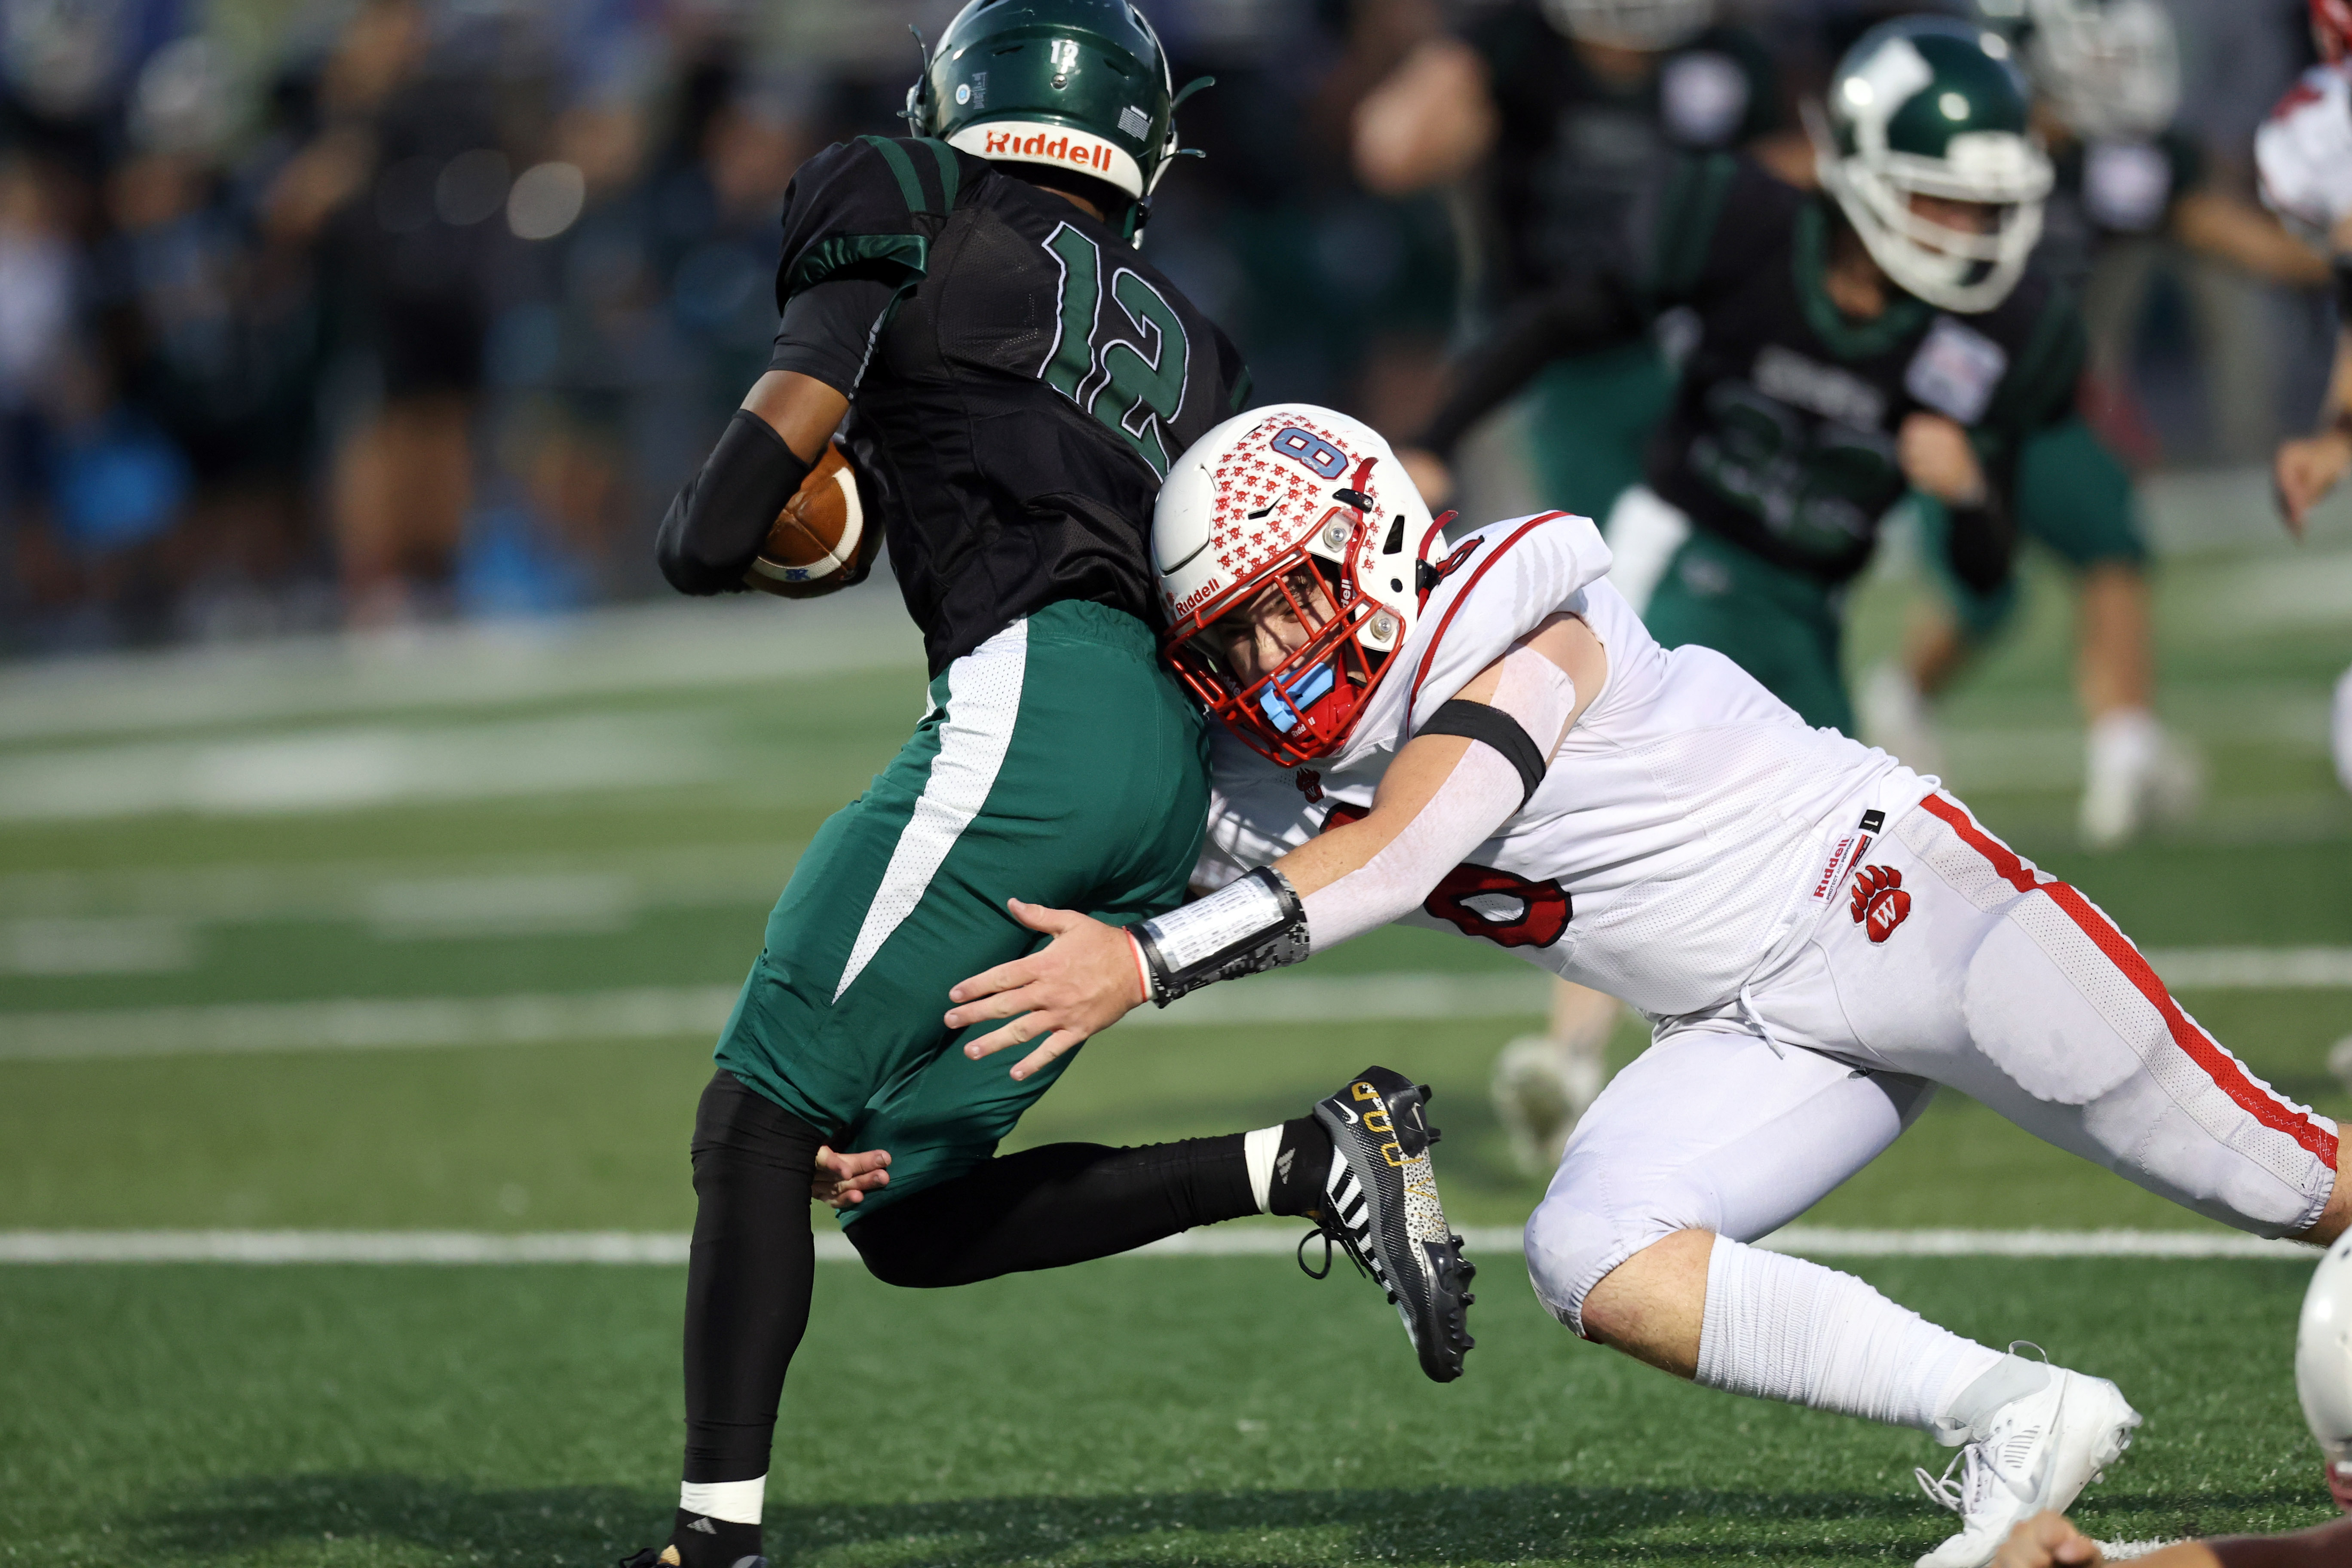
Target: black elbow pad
x,y
721,516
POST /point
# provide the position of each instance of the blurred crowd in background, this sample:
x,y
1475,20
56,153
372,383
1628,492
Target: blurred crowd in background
x,y
361,313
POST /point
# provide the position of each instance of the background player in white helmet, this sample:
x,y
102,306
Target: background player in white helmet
x,y
1547,119
1490,743
2127,180
2304,153
2323,1380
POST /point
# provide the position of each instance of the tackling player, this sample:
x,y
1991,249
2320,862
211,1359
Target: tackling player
x,y
2304,152
1016,380
1493,743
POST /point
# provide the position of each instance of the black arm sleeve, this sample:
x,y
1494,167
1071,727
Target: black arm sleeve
x,y
1590,312
722,516
829,330
2343,293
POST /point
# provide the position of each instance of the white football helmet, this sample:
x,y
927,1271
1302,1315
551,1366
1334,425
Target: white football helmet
x,y
1649,25
1311,505
2323,1364
1930,105
2109,67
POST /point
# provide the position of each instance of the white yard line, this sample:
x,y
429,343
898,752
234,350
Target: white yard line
x,y
630,649
1256,1240
647,1013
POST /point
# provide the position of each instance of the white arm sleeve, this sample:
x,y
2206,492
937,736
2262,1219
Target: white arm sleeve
x,y
1482,792
1538,694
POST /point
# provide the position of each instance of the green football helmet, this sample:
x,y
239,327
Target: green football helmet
x,y
1931,106
1080,85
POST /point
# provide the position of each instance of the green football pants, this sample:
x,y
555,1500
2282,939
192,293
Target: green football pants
x,y
1785,628
2072,495
1593,417
1059,763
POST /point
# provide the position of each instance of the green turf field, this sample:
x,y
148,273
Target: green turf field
x,y
413,850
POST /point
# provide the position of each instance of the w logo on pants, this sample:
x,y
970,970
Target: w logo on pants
x,y
1880,904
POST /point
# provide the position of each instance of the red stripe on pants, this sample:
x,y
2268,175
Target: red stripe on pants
x,y
2200,1047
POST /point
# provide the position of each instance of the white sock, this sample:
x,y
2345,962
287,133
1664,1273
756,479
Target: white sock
x,y
1785,1328
1259,1149
737,1502
2122,743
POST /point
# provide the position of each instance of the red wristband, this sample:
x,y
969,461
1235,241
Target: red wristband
x,y
1142,965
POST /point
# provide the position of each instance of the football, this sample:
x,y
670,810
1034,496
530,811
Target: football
x,y
819,543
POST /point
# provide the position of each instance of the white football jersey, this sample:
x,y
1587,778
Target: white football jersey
x,y
1690,831
2304,152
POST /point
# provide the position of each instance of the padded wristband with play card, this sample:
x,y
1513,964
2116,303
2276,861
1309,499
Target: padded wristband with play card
x,y
1249,925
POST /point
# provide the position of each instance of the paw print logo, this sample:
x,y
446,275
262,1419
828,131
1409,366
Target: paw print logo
x,y
1880,904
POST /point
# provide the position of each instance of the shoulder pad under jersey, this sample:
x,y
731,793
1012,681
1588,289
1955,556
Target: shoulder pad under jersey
x,y
1496,584
2304,152
868,208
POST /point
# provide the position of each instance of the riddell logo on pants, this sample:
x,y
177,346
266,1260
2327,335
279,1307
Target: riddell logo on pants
x,y
1880,904
1059,149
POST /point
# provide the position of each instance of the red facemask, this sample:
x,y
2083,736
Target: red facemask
x,y
1306,706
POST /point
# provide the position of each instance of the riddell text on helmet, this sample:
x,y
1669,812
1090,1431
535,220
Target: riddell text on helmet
x,y
1081,151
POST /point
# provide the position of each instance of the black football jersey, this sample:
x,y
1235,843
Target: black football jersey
x,y
1027,379
1574,151
1781,434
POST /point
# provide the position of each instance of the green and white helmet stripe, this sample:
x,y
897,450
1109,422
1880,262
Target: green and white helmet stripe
x,y
1081,84
1931,106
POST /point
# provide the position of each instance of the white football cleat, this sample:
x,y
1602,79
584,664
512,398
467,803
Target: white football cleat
x,y
1895,718
2138,774
1539,1089
2038,1452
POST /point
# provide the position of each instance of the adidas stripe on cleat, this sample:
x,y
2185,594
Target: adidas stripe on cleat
x,y
1380,1205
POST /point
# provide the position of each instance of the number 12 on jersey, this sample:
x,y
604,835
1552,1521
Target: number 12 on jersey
x,y
1127,367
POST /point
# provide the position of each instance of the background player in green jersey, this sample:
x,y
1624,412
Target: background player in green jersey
x,y
1883,335
1016,380
2106,83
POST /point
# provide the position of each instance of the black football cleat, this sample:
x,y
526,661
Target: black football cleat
x,y
1380,1205
667,1557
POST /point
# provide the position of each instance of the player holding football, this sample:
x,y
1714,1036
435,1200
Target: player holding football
x,y
1493,743
1016,381
2304,152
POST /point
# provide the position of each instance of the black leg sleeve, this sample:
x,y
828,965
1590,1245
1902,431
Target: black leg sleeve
x,y
747,1278
1063,1204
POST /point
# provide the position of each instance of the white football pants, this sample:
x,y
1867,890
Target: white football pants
x,y
1948,959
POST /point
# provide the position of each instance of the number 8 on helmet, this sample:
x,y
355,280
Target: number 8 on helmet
x,y
1304,517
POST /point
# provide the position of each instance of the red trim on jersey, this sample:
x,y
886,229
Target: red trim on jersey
x,y
1446,620
2200,1047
